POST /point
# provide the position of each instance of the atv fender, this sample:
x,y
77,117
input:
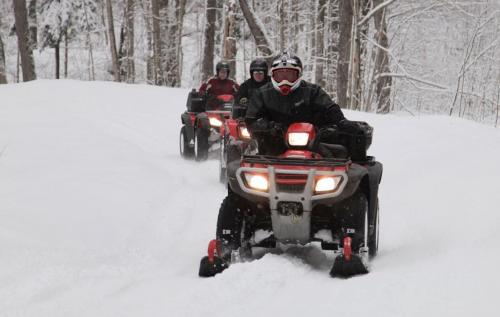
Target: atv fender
x,y
202,121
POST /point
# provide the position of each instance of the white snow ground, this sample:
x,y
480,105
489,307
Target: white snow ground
x,y
99,216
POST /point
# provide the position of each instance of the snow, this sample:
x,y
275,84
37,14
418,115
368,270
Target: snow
x,y
99,216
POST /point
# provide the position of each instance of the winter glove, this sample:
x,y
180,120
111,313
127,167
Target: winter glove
x,y
276,128
261,125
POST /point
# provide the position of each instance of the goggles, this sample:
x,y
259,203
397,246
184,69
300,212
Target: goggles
x,y
285,75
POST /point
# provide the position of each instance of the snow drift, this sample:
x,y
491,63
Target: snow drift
x,y
99,216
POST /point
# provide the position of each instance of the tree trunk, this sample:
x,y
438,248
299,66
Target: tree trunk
x,y
32,23
209,41
58,59
146,8
344,47
332,49
354,87
181,11
65,55
320,53
261,40
173,47
112,41
23,41
3,72
130,42
282,25
383,84
230,37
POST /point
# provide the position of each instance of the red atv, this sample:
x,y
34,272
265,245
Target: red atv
x,y
322,188
203,125
235,140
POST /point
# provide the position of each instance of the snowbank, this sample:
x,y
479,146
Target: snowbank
x,y
99,216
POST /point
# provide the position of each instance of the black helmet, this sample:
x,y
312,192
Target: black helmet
x,y
286,73
222,65
258,64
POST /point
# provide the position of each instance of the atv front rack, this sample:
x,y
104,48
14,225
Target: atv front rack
x,y
273,160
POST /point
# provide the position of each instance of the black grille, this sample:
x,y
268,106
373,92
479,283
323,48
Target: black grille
x,y
291,188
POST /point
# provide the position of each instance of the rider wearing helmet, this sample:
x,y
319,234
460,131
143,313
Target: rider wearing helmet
x,y
218,85
288,99
258,78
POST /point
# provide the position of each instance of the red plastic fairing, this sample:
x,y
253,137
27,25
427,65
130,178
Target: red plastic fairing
x,y
232,126
300,154
302,128
213,250
347,248
225,98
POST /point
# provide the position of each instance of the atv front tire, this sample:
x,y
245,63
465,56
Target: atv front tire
x,y
200,145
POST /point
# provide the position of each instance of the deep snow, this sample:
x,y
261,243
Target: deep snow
x,y
99,216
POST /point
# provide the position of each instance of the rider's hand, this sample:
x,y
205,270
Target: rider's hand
x,y
261,125
276,128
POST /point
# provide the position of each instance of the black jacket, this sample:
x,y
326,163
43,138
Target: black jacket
x,y
247,89
308,103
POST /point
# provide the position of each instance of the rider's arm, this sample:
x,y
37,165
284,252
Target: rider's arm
x,y
326,111
256,116
242,94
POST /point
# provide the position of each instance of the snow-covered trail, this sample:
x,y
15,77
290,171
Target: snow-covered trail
x,y
99,216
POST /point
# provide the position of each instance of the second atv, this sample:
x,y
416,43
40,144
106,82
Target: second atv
x,y
203,125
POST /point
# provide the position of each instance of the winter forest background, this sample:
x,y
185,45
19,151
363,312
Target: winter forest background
x,y
417,56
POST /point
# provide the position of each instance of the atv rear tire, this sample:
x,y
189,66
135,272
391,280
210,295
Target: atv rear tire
x,y
200,145
185,150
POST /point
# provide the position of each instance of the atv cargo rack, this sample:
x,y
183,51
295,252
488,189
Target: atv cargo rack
x,y
273,160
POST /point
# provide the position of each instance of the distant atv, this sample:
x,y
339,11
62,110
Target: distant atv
x,y
203,125
322,188
234,142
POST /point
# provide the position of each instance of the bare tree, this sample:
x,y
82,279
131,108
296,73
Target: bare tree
x,y
320,31
229,47
261,41
23,41
383,84
331,53
112,41
3,75
130,63
344,48
209,41
32,23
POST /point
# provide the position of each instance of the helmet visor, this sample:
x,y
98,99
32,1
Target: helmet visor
x,y
285,74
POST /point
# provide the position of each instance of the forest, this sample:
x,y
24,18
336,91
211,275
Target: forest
x,y
412,56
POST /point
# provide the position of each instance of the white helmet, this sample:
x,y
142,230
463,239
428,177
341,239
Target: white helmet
x,y
286,73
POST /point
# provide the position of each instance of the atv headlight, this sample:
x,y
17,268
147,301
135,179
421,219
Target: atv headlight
x,y
214,122
298,138
258,182
327,184
244,133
